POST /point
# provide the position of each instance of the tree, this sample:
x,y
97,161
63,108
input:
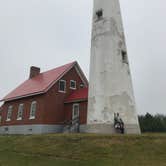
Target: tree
x,y
150,123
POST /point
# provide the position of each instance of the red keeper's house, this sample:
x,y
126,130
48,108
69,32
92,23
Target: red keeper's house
x,y
48,102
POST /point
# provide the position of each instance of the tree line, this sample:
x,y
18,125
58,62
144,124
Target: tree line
x,y
152,123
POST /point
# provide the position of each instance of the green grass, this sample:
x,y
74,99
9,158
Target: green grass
x,y
83,150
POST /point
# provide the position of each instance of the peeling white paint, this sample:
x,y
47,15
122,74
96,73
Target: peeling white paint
x,y
110,89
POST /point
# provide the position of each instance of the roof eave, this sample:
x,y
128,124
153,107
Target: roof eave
x,y
76,101
82,75
24,96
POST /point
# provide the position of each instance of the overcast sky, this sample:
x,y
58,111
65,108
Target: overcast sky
x,y
49,33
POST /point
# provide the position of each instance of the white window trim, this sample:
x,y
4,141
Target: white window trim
x,y
77,104
74,83
59,86
30,116
20,118
9,119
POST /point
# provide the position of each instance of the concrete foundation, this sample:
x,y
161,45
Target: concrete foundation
x,y
109,129
31,129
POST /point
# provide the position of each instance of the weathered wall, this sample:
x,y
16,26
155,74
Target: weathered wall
x,y
110,89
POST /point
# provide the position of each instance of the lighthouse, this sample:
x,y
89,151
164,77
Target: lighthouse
x,y
110,84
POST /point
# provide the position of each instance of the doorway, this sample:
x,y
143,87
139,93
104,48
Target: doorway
x,y
75,118
75,112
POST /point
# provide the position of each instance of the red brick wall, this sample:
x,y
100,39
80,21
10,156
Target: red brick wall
x,y
27,104
50,106
54,100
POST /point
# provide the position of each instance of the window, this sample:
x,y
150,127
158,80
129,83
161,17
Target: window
x,y
124,57
20,112
72,84
9,113
33,110
62,86
99,14
75,111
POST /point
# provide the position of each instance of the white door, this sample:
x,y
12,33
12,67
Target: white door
x,y
75,112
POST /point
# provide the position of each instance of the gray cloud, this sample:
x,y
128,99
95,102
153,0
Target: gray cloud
x,y
48,33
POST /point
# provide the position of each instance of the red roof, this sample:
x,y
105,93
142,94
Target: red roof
x,y
78,95
39,84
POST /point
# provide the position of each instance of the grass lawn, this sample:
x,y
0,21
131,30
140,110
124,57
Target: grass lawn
x,y
83,150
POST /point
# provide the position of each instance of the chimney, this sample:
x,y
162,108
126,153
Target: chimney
x,y
34,71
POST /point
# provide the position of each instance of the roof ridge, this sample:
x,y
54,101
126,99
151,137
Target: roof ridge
x,y
61,75
59,67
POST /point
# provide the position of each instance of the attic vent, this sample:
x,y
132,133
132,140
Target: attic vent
x,y
81,85
99,14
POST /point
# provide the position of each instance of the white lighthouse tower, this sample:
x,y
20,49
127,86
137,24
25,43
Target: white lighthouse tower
x,y
110,89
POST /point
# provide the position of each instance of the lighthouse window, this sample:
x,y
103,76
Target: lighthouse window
x,y
124,56
99,14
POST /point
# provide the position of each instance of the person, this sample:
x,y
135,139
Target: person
x,y
121,126
118,123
